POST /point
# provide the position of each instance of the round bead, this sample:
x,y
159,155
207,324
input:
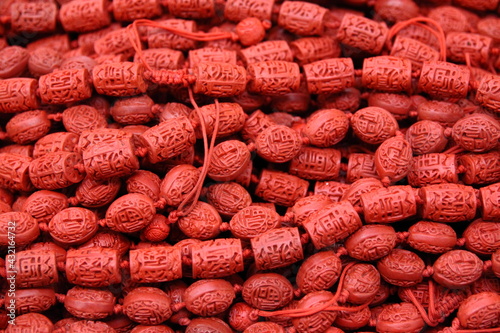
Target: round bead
x,y
152,329
402,268
268,291
319,321
371,242
97,193
110,240
281,188
83,118
325,128
393,158
208,325
480,311
332,224
278,144
130,213
319,272
89,326
229,160
253,221
482,237
89,303
426,136
147,306
353,320
241,317
55,170
277,248
203,222
209,297
93,266
250,31
460,43
495,263
402,317
177,183
448,202
44,60
362,282
457,269
396,11
399,105
228,198
477,133
374,125
43,205
316,163
22,225
28,126
432,237
308,205
73,226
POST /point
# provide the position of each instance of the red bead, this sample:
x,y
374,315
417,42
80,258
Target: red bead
x,y
457,269
319,321
387,205
311,49
28,126
448,203
480,311
237,10
209,297
147,305
268,50
426,136
253,221
400,317
18,94
429,169
374,125
130,213
14,61
393,158
73,226
417,52
480,168
125,10
402,268
302,18
319,272
33,17
268,291
55,170
362,33
477,133
194,9
155,264
273,77
281,188
119,79
329,76
361,283
93,267
278,144
277,248
371,242
89,303
490,202
21,226
444,80
35,268
65,86
387,73
219,79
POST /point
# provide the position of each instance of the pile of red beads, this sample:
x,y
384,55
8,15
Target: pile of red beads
x,y
249,166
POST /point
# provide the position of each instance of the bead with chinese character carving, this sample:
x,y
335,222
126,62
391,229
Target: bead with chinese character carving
x,y
109,240
230,158
155,264
231,119
319,321
281,188
125,10
84,16
458,44
55,170
308,205
392,159
362,33
396,11
60,141
399,105
480,311
400,317
444,113
168,139
28,126
489,197
33,17
237,10
113,46
316,163
17,229
277,248
219,79
211,54
347,100
89,303
27,322
431,237
448,203
426,136
361,166
130,213
217,258
228,198
265,326
480,168
268,291
402,268
96,193
119,79
477,132
482,237
310,49
325,128
177,183
278,144
253,221
389,204
31,300
43,61
65,86
329,76
81,118
73,226
457,269
302,18
35,268
255,124
362,282
353,320
163,58
147,306
332,224
444,80
241,316
413,50
93,267
144,182
374,125
355,190
319,272
209,297
43,205
133,110
208,325
18,94
371,242
495,263
14,172
268,50
14,61
488,93
273,77
387,73
202,222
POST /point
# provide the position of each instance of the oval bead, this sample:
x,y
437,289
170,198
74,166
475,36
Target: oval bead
x,y
432,237
268,291
209,297
393,158
147,305
457,269
402,268
371,242
253,221
319,272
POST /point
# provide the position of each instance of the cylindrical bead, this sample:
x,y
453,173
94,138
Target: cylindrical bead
x,y
413,50
389,204
448,202
33,17
481,168
35,268
119,79
217,258
361,166
163,58
277,248
329,76
362,33
489,197
18,94
488,94
66,86
155,264
84,16
311,49
231,119
273,77
14,172
444,80
160,38
93,267
211,54
196,9
302,18
429,169
128,11
387,73
237,10
219,79
55,170
266,51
